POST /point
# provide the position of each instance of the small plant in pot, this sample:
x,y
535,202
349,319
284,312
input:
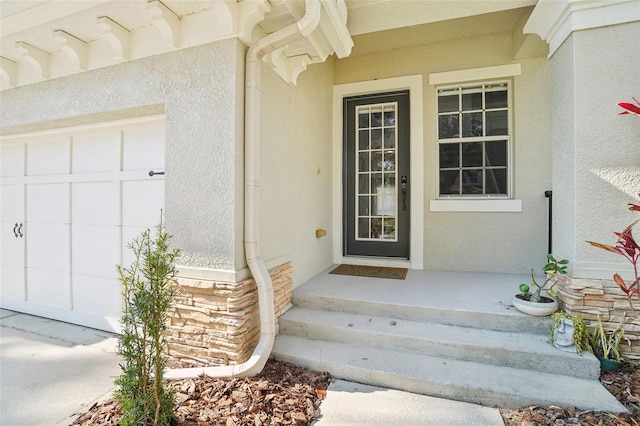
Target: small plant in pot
x,y
535,303
606,345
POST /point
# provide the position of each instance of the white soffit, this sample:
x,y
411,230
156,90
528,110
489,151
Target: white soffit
x,y
48,39
555,20
367,16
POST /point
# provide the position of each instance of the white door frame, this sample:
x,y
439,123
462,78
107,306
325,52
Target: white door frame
x,y
412,83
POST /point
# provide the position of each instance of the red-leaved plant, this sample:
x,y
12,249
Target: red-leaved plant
x,y
630,108
628,247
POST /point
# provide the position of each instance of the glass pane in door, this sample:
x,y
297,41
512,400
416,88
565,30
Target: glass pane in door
x,y
376,190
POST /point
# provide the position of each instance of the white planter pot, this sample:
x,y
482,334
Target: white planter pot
x,y
535,309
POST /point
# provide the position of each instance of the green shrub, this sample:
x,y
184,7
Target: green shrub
x,y
147,290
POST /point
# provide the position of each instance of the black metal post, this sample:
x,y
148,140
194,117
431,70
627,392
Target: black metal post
x,y
549,195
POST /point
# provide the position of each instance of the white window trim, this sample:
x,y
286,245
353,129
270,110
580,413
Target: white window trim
x,y
462,204
487,206
415,86
472,74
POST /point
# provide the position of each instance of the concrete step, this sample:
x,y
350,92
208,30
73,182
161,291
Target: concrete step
x,y
478,383
506,349
503,316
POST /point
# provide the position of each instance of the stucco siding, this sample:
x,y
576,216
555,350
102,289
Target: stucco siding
x,y
498,242
607,144
296,169
198,91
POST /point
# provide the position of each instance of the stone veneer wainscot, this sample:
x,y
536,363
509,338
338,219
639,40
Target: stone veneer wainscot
x,y
217,323
590,298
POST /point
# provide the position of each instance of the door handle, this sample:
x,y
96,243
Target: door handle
x,y
152,173
17,230
403,191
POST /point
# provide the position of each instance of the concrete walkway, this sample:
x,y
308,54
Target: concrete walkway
x,y
50,370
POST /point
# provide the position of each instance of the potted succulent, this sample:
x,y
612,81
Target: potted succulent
x,y
606,345
535,303
569,333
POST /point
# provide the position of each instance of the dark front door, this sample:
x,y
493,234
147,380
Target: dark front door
x,y
376,175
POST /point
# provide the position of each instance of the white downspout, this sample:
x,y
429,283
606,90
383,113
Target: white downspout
x,y
257,50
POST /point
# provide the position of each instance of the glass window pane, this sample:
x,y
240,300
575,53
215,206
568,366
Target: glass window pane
x,y
390,138
472,154
389,160
363,228
363,205
497,123
389,117
376,138
390,180
389,231
471,101
449,103
472,124
449,182
363,120
496,181
495,153
449,155
363,162
363,139
472,182
448,126
376,117
376,228
376,161
363,183
376,183
496,99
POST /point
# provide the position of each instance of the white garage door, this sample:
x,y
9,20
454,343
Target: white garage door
x,y
71,202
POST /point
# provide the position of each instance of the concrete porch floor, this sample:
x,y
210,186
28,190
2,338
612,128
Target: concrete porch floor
x,y
489,292
445,293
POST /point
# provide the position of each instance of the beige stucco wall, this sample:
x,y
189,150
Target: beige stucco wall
x,y
500,242
592,71
200,91
296,169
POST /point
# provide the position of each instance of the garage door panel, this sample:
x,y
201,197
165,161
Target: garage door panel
x,y
48,203
48,247
12,160
11,225
98,296
95,250
12,203
96,152
143,147
12,288
51,288
48,157
142,202
95,203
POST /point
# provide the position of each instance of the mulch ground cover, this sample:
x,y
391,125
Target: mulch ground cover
x,y
623,383
284,394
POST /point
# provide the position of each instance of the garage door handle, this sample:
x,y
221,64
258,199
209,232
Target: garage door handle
x,y
152,173
17,230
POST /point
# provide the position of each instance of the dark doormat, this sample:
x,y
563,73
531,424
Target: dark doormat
x,y
371,271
